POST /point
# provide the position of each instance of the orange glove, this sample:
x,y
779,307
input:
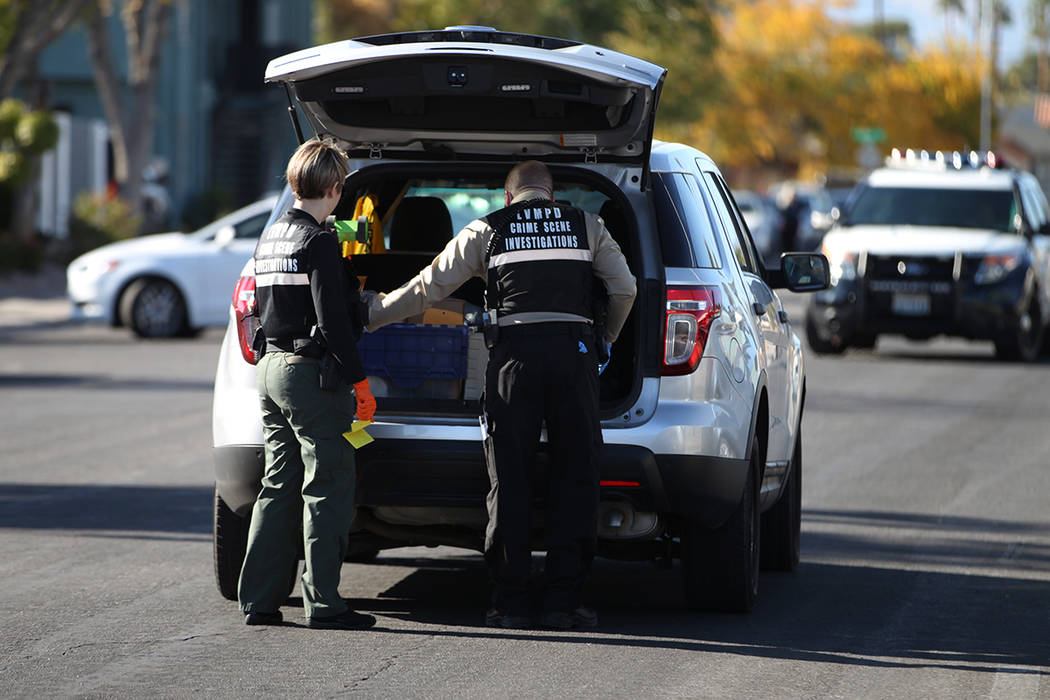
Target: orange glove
x,y
366,403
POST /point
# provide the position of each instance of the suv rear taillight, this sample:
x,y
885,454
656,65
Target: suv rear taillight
x,y
690,311
244,307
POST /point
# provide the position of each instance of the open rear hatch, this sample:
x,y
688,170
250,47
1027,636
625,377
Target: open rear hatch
x,y
484,99
434,364
476,92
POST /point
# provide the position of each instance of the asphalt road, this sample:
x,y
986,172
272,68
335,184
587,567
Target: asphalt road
x,y
925,565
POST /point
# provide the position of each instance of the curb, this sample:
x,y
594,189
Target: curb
x,y
28,299
30,312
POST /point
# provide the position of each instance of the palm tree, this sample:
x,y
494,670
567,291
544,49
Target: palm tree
x,y
1001,15
950,8
1039,12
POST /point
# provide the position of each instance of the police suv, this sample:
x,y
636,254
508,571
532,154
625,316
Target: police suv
x,y
938,244
701,403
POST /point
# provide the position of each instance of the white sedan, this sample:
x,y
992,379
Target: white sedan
x,y
169,283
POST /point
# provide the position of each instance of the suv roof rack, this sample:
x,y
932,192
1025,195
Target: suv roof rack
x,y
474,34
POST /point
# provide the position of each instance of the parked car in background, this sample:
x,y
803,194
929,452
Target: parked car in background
x,y
812,207
817,217
840,196
765,223
167,284
938,246
701,403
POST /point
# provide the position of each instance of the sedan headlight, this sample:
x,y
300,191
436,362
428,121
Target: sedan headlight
x,y
994,268
842,263
93,269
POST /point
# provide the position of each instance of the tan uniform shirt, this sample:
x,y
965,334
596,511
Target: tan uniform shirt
x,y
464,257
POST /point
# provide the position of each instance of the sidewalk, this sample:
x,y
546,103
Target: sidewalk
x,y
29,299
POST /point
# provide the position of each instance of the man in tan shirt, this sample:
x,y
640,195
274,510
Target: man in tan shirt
x,y
539,260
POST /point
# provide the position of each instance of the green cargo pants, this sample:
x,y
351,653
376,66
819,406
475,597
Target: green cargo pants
x,y
308,483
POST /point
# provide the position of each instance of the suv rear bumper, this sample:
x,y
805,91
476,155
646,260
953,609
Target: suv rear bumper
x,y
452,474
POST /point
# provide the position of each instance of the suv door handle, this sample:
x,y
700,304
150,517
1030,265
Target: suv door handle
x,y
759,309
783,316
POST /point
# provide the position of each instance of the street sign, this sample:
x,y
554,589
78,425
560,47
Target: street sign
x,y
868,134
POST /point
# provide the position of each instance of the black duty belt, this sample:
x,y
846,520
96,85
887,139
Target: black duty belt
x,y
545,328
300,346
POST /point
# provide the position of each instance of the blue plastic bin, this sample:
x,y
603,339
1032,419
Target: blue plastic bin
x,y
408,354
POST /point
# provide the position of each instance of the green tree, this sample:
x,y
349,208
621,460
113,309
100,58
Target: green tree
x,y
1039,14
794,84
950,9
676,34
1023,76
680,36
24,135
26,28
586,20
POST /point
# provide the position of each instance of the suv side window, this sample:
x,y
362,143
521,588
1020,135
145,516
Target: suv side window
x,y
687,238
739,240
1034,204
1040,200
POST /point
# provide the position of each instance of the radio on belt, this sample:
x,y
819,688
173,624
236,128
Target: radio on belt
x,y
486,322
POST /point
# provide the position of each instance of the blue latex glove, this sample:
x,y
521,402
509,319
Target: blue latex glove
x,y
608,353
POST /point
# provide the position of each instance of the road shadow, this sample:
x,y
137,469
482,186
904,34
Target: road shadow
x,y
870,403
890,612
982,355
894,610
960,359
851,615
122,508
101,381
44,333
945,539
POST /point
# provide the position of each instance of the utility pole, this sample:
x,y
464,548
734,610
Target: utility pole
x,y
986,75
880,22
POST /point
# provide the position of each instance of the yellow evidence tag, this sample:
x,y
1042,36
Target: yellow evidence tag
x,y
357,436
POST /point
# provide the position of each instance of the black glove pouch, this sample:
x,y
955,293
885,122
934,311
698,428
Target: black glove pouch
x,y
258,344
329,374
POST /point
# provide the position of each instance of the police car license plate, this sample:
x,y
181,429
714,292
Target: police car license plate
x,y
910,304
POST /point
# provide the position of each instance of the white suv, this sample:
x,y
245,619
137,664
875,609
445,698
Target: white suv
x,y
702,401
941,244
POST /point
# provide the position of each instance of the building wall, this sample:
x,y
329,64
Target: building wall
x,y
1025,144
198,84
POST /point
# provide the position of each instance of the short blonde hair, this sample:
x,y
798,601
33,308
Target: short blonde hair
x,y
530,174
315,167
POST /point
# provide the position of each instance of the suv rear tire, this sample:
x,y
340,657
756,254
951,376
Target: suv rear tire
x,y
231,543
782,524
720,566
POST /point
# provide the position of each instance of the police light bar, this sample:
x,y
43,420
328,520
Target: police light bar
x,y
942,160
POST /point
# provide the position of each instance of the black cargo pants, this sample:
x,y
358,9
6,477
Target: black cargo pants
x,y
542,373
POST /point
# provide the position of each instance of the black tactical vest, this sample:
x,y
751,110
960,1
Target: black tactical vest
x,y
539,260
282,279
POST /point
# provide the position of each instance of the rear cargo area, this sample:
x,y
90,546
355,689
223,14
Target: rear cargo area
x,y
434,363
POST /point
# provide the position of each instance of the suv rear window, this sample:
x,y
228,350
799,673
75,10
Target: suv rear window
x,y
467,202
686,236
921,206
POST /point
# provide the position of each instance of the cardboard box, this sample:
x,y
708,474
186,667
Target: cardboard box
x,y
444,313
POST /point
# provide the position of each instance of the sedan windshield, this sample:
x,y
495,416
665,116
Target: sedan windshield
x,y
915,206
